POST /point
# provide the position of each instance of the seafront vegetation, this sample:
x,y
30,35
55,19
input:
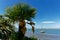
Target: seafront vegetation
x,y
22,13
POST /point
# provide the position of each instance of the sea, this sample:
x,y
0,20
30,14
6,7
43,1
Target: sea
x,y
50,34
49,31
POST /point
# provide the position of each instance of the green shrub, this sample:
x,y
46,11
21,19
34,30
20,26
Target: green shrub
x,y
14,37
29,38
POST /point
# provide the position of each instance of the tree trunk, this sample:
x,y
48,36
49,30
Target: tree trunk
x,y
22,30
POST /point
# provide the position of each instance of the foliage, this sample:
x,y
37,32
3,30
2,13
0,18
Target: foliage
x,y
14,37
31,38
6,27
20,13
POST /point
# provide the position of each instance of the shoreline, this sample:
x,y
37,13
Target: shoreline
x,y
44,36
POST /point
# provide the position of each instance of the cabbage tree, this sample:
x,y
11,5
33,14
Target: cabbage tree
x,y
20,13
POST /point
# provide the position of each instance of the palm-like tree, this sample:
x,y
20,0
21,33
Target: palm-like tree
x,y
6,28
22,12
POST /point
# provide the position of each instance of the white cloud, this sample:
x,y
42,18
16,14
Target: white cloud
x,y
48,22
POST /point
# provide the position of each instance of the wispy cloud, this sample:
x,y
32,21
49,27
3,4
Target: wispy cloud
x,y
48,22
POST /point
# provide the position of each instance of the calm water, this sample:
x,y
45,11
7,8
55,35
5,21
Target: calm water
x,y
50,34
49,31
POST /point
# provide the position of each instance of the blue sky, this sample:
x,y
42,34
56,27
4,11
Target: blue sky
x,y
47,11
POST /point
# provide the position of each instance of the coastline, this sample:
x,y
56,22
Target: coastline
x,y
44,36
